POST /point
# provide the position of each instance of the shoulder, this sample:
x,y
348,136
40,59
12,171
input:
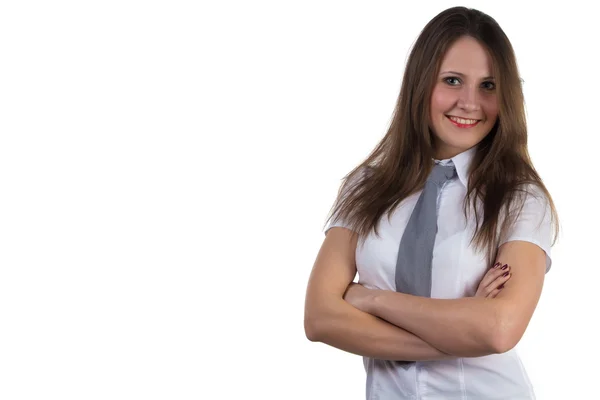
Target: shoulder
x,y
530,219
349,188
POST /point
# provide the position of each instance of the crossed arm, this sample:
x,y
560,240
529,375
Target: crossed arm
x,y
391,325
328,318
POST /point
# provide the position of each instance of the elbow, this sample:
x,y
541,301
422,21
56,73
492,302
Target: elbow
x,y
503,343
506,335
312,328
318,320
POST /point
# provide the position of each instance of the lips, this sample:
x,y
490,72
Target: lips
x,y
462,122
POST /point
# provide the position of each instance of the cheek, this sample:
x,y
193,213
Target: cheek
x,y
490,107
439,101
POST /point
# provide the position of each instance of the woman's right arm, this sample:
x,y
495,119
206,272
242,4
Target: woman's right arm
x,y
328,318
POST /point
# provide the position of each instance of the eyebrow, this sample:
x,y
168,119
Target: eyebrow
x,y
463,75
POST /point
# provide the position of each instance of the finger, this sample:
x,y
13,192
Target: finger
x,y
496,286
492,274
497,273
501,279
494,293
489,276
498,281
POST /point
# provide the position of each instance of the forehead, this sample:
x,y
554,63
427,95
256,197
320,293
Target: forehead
x,y
467,56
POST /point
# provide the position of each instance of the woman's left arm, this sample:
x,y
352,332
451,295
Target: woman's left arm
x,y
472,326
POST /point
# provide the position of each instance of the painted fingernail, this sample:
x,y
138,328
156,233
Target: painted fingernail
x,y
496,265
501,286
505,274
504,266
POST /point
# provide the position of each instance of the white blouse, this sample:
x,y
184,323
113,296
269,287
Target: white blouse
x,y
457,270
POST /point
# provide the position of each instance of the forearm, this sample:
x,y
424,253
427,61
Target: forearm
x,y
465,327
349,329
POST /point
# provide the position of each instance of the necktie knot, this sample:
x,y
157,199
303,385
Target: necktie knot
x,y
441,174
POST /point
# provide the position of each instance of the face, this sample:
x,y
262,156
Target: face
x,y
463,103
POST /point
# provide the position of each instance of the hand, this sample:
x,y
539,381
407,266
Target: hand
x,y
493,281
359,296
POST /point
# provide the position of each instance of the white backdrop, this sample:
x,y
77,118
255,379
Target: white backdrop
x,y
166,168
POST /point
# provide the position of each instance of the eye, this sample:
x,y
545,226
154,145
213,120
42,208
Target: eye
x,y
488,85
452,80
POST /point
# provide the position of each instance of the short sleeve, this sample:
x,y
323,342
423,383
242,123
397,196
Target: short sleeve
x,y
335,220
333,223
534,223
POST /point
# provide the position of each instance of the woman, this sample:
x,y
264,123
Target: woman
x,y
440,322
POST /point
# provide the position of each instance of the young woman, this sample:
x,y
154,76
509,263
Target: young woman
x,y
450,269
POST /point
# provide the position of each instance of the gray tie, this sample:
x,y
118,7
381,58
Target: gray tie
x,y
413,267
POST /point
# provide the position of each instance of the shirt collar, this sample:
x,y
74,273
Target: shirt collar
x,y
462,163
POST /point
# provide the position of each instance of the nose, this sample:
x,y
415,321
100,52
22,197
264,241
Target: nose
x,y
469,99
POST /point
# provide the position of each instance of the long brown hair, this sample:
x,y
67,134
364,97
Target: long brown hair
x,y
400,163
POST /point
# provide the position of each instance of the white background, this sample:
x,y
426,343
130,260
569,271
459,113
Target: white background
x,y
166,168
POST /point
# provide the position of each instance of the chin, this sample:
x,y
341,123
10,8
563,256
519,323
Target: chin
x,y
458,143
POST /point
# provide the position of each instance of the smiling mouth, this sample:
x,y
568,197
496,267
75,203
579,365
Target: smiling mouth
x,y
463,122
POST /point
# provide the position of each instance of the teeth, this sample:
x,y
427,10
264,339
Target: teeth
x,y
463,121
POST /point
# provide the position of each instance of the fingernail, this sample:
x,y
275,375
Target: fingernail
x,y
504,266
501,286
505,274
496,265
